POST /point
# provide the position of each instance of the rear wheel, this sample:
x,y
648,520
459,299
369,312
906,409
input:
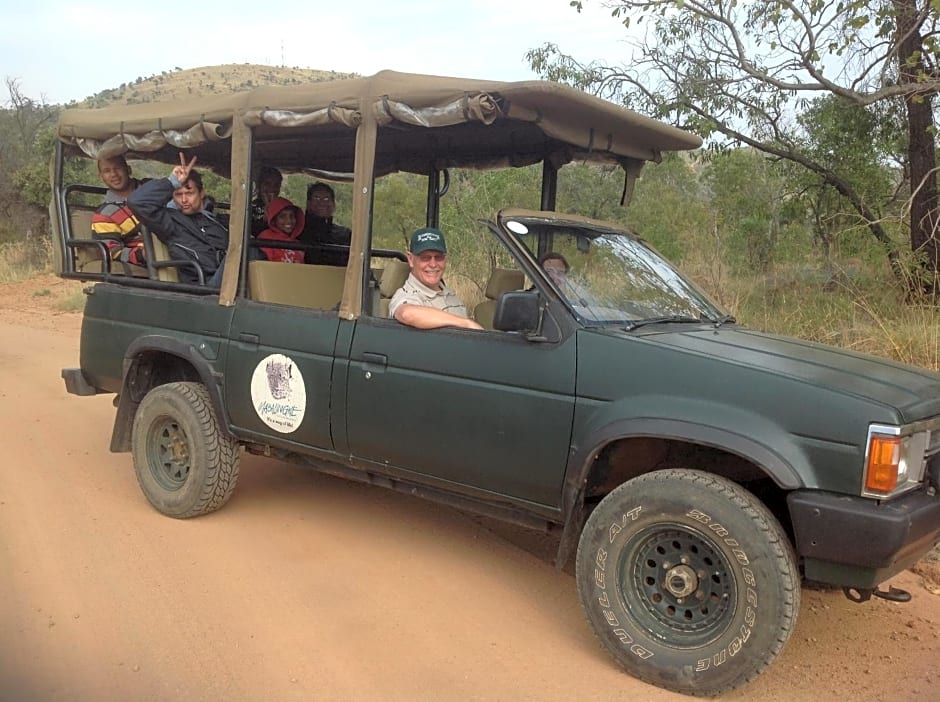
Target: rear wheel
x,y
688,580
185,465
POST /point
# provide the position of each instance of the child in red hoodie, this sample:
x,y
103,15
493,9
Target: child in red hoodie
x,y
285,223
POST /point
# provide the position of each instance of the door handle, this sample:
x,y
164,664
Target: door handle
x,y
375,359
249,340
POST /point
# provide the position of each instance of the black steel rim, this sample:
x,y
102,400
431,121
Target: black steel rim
x,y
168,453
678,585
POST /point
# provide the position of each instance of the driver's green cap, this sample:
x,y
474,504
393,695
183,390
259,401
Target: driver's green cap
x,y
427,239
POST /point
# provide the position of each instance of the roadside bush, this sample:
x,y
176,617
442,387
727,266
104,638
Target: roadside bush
x,y
25,258
866,312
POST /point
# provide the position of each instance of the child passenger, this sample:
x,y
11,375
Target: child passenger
x,y
285,223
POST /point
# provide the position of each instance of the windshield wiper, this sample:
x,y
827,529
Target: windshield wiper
x,y
684,319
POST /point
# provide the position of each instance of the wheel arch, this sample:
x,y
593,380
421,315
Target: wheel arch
x,y
154,360
625,449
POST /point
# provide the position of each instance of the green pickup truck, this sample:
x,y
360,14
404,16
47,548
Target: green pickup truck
x,y
696,470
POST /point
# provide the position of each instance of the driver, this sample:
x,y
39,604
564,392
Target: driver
x,y
425,301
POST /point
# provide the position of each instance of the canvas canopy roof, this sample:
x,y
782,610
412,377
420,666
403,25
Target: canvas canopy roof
x,y
473,123
368,127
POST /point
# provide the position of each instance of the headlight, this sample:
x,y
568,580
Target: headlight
x,y
896,457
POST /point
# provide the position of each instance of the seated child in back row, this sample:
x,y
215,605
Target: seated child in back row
x,y
285,223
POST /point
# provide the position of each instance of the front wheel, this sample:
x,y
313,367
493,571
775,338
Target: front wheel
x,y
688,581
185,464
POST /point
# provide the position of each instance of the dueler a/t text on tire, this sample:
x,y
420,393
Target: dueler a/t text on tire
x,y
688,580
185,465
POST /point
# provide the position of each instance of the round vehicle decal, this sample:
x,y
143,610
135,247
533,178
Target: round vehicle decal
x,y
278,393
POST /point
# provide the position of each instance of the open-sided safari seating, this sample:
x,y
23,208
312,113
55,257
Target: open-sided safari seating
x,y
88,257
298,285
696,470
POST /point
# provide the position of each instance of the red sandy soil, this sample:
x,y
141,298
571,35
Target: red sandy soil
x,y
307,587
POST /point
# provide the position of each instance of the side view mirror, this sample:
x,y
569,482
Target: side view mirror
x,y
517,311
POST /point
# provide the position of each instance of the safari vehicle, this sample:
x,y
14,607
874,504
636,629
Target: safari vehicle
x,y
696,470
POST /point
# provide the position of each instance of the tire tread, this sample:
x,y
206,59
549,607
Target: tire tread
x,y
222,451
774,536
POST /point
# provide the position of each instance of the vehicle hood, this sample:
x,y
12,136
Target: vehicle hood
x,y
710,356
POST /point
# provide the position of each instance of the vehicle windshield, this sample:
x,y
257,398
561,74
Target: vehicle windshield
x,y
612,277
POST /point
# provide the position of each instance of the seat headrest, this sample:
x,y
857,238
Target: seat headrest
x,y
503,280
393,277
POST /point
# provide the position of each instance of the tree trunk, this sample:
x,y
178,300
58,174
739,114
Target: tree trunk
x,y
922,157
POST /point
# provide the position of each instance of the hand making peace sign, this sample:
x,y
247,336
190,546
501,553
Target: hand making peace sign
x,y
182,171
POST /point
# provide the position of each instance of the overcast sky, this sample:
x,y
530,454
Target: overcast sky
x,y
68,50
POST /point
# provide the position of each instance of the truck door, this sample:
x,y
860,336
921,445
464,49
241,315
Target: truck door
x,y
486,410
279,372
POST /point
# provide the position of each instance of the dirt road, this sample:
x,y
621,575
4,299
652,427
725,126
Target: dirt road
x,y
305,587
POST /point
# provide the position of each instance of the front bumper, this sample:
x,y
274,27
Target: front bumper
x,y
857,542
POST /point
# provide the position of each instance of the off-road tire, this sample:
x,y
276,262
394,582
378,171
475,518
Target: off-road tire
x,y
185,465
688,581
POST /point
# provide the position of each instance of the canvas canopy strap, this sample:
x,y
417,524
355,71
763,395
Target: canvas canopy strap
x,y
631,168
481,107
333,114
153,140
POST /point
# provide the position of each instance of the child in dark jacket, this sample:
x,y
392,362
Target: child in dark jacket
x,y
285,223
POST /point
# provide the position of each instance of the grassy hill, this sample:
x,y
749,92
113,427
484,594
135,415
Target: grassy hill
x,y
206,80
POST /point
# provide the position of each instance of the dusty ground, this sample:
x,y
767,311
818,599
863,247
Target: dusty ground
x,y
306,587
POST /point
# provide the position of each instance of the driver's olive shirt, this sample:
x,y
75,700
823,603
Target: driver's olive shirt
x,y
413,292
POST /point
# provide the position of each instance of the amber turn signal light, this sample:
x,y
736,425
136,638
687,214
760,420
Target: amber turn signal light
x,y
884,458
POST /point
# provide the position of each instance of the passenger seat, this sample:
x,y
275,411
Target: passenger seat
x,y
501,280
393,277
296,284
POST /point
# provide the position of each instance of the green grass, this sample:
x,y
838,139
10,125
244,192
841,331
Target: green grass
x,y
866,313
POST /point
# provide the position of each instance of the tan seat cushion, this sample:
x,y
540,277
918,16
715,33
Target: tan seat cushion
x,y
501,280
88,258
296,284
393,277
162,253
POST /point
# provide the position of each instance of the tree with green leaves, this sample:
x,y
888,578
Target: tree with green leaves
x,y
740,71
750,199
863,144
26,138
